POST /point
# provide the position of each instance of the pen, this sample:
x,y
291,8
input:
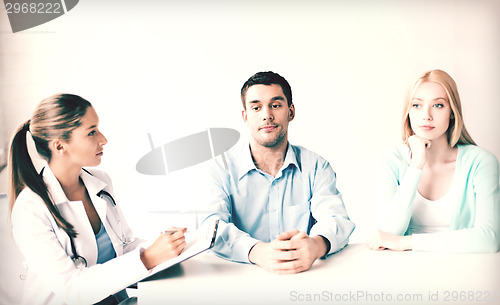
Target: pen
x,y
169,232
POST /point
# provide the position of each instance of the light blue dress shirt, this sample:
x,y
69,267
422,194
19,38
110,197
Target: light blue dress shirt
x,y
255,206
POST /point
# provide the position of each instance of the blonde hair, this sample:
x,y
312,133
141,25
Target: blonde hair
x,y
457,133
55,118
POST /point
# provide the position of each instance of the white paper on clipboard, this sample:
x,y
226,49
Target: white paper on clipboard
x,y
196,243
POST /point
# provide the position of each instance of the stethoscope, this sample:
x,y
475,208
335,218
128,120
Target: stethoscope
x,y
121,235
80,261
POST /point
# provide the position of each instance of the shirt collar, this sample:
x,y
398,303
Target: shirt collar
x,y
94,185
248,165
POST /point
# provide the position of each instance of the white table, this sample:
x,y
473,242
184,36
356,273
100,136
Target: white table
x,y
356,275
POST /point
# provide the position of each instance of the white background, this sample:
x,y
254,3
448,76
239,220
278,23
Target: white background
x,y
173,68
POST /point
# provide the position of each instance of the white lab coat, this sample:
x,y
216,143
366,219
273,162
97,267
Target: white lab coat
x,y
51,276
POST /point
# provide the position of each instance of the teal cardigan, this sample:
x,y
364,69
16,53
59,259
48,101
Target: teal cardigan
x,y
474,225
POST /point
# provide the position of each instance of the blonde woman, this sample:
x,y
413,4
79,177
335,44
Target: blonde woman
x,y
438,191
77,246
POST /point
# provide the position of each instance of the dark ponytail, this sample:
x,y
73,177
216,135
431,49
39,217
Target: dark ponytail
x,y
20,162
55,117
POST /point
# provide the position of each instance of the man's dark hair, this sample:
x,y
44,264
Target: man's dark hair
x,y
267,78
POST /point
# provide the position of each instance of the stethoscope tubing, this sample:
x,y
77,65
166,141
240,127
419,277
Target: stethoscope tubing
x,y
79,261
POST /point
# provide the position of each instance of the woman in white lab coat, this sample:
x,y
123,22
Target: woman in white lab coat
x,y
77,246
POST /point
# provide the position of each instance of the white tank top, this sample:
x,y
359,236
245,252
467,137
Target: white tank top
x,y
431,216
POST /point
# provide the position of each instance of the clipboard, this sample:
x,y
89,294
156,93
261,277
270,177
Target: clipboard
x,y
197,242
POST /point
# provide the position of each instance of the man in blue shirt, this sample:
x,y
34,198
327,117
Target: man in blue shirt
x,y
278,202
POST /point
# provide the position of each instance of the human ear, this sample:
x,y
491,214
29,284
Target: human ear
x,y
57,146
291,112
244,115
